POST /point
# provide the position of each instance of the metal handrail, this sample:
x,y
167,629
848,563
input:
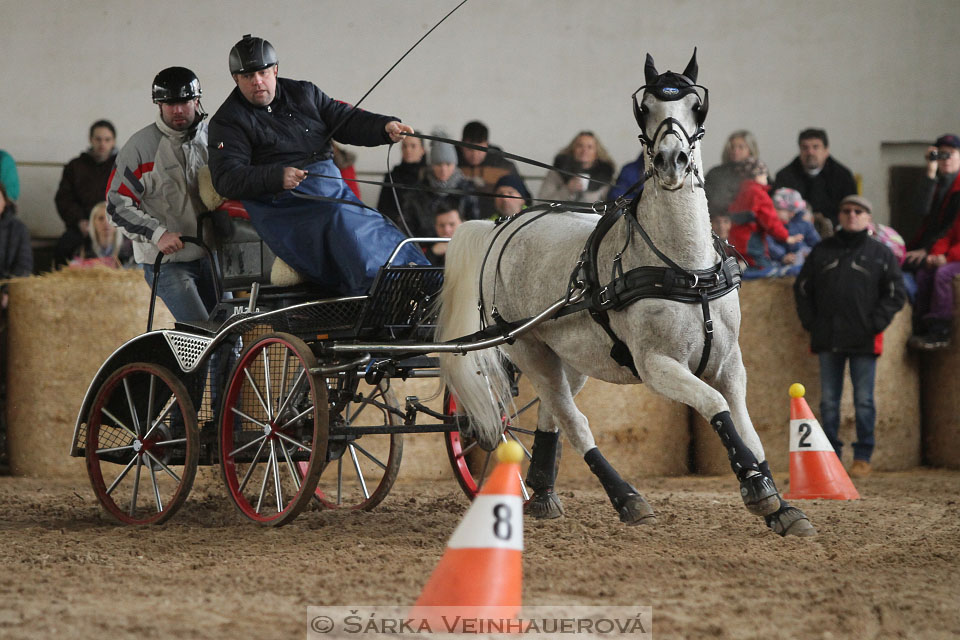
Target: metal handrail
x,y
156,276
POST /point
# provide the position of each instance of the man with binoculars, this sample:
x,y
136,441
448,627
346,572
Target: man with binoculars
x,y
934,252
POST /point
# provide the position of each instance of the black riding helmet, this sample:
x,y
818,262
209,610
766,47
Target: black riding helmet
x,y
176,84
251,54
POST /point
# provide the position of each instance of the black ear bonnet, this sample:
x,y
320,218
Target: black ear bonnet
x,y
669,86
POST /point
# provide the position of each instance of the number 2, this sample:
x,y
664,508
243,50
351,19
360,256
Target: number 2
x,y
805,431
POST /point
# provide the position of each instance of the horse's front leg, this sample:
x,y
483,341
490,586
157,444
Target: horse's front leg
x,y
556,385
674,380
732,383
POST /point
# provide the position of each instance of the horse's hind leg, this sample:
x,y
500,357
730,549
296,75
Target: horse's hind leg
x,y
556,386
732,383
668,377
542,473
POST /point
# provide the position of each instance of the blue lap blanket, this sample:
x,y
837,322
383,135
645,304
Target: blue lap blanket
x,y
339,246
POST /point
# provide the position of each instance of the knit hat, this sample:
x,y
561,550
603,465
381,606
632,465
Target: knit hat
x,y
860,201
515,181
442,152
751,168
948,140
789,200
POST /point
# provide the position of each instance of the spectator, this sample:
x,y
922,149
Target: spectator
x,y
107,244
514,196
940,199
846,294
934,296
445,221
82,185
442,175
9,176
483,168
792,212
154,199
629,176
822,181
263,133
584,156
16,255
753,218
412,162
722,182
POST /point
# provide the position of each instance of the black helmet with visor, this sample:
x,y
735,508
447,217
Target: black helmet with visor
x,y
251,54
176,84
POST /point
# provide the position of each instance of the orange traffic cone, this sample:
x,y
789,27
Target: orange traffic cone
x,y
481,573
815,469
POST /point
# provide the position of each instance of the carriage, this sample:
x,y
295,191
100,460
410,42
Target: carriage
x,y
309,398
258,391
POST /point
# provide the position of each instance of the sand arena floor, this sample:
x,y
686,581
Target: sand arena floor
x,y
885,566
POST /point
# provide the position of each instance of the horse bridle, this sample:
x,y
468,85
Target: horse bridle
x,y
670,87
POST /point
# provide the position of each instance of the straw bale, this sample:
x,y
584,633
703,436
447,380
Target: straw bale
x,y
941,402
62,326
641,433
776,353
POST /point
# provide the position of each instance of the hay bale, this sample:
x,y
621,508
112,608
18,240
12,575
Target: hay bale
x,y
776,353
424,455
641,434
62,326
941,404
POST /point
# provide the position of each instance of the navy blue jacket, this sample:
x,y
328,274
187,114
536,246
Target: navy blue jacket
x,y
847,293
250,145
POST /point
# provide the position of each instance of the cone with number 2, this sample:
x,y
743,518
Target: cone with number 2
x,y
815,469
481,573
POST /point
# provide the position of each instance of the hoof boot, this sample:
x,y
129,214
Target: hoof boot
x,y
635,510
760,495
544,505
790,521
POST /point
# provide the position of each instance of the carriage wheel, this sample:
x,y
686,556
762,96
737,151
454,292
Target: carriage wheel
x,y
142,444
273,430
361,469
471,464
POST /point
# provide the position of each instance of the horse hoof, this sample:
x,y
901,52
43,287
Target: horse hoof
x,y
790,521
544,506
635,510
760,495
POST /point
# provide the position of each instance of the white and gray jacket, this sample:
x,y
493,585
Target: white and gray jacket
x,y
153,188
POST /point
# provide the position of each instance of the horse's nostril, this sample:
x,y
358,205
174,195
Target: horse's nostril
x,y
682,159
658,161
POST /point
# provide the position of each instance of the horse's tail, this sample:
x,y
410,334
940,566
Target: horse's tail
x,y
478,378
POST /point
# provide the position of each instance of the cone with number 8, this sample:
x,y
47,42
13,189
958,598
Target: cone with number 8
x,y
481,572
815,469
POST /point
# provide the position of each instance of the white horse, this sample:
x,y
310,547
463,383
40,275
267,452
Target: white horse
x,y
524,268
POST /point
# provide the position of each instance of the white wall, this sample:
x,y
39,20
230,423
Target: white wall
x,y
536,71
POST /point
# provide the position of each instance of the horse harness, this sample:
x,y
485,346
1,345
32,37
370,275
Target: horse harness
x,y
669,282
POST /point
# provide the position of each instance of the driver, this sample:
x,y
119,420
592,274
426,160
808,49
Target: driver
x,y
271,136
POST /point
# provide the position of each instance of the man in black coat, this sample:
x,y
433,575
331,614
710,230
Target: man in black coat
x,y
267,137
84,184
847,293
822,181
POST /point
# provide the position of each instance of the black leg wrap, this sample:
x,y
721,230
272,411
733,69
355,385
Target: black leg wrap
x,y
631,506
544,504
742,460
543,464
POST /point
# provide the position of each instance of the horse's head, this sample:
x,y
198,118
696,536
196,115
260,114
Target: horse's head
x,y
670,113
